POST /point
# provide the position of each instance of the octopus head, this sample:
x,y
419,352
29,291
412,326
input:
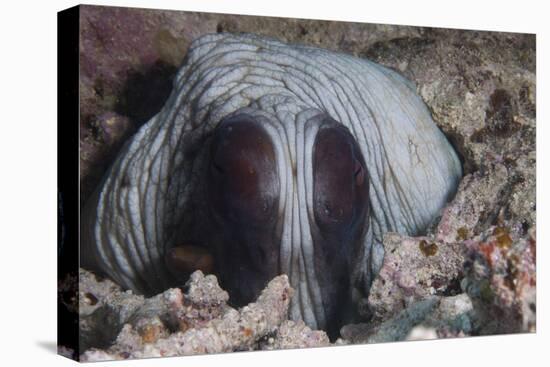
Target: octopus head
x,y
256,204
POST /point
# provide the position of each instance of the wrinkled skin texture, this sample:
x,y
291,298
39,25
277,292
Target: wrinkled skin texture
x,y
244,193
273,158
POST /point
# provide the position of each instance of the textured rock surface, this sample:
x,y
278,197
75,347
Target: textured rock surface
x,y
430,318
103,303
480,88
413,269
500,277
475,249
295,334
198,322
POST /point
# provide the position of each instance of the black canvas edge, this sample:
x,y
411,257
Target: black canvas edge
x,y
68,236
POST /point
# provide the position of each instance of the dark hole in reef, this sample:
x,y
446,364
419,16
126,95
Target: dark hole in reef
x,y
92,299
499,115
499,118
458,143
524,101
145,92
395,46
449,288
90,127
525,227
227,25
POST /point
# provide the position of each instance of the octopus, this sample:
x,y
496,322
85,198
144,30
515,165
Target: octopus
x,y
271,158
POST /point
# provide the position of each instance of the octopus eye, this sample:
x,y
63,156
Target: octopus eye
x,y
243,174
339,190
